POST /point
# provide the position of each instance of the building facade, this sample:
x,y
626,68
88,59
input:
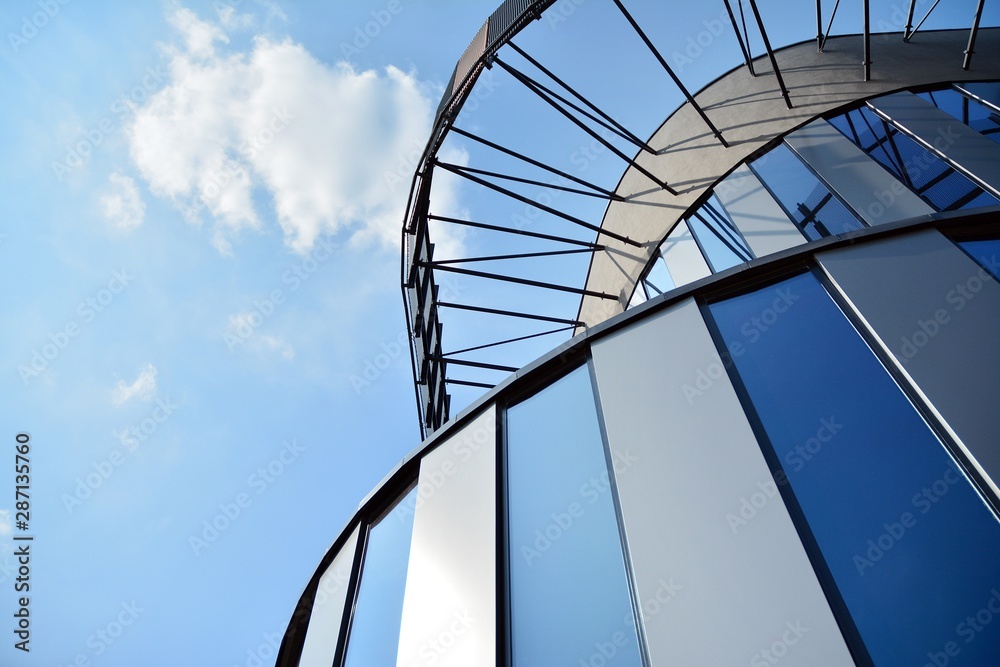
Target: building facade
x,y
773,438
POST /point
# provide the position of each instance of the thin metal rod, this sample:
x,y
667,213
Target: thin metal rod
x,y
746,33
739,38
972,35
829,25
921,22
770,53
511,340
867,61
524,281
469,383
819,25
522,255
909,20
519,232
547,209
474,364
580,97
510,313
611,128
529,181
520,77
663,63
531,161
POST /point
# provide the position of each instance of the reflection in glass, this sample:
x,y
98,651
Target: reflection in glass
x,y
978,116
806,199
658,280
932,179
912,547
374,634
987,253
720,241
569,594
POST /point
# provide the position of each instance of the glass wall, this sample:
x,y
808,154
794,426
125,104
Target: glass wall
x,y
569,594
911,545
373,639
967,109
929,177
987,253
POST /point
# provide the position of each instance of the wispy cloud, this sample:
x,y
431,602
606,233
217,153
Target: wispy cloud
x,y
6,525
317,138
143,388
121,204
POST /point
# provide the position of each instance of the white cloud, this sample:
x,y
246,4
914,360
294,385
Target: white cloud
x,y
242,332
122,205
321,140
6,526
143,388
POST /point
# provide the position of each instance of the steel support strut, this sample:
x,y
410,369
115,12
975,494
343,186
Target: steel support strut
x,y
770,53
745,48
663,63
972,35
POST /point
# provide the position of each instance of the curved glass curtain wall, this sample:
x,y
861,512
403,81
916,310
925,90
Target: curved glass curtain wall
x,y
569,593
911,545
713,237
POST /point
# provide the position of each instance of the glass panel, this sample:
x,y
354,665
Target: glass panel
x,y
374,636
987,253
910,544
986,91
570,601
320,643
977,116
682,256
720,242
658,280
921,171
806,200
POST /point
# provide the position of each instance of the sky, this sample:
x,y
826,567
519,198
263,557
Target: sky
x,y
204,339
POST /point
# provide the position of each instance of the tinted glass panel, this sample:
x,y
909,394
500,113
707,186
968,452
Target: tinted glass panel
x,y
658,279
921,171
374,636
913,549
969,111
987,253
568,588
720,242
806,200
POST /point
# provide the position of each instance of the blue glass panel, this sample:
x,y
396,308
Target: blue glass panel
x,y
658,280
806,199
912,547
969,111
987,253
569,597
932,179
374,636
718,238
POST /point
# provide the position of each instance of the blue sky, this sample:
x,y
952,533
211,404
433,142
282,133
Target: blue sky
x,y
203,320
